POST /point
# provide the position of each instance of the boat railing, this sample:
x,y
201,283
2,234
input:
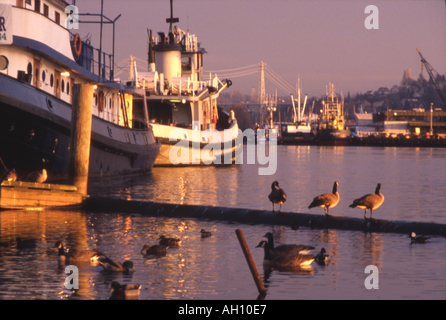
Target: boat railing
x,y
96,61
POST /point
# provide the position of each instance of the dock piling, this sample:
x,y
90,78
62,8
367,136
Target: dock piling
x,y
81,119
252,266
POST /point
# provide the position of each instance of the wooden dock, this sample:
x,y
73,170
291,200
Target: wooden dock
x,y
35,196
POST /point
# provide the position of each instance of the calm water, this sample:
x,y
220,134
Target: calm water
x,y
412,180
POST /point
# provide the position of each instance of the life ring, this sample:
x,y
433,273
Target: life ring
x,y
101,101
77,46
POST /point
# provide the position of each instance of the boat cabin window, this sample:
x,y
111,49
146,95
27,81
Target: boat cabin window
x,y
57,17
4,63
170,113
37,6
45,10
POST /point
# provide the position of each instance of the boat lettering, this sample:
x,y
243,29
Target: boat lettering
x,y
2,24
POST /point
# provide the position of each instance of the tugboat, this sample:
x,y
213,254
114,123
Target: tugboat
x,y
40,61
182,107
331,130
299,132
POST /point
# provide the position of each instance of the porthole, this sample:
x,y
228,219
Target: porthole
x,y
63,85
68,87
30,68
109,104
43,75
4,62
52,80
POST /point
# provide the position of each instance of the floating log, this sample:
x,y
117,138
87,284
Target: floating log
x,y
250,216
32,195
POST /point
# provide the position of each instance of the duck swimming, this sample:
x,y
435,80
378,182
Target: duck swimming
x,y
123,291
417,239
322,258
76,256
111,265
170,242
285,248
205,234
283,261
157,249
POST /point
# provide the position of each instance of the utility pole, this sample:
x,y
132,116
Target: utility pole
x,y
262,84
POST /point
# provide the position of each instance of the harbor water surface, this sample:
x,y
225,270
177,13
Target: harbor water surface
x,y
412,179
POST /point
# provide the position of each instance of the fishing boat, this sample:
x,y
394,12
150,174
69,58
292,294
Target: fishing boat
x,y
42,56
299,131
331,129
183,108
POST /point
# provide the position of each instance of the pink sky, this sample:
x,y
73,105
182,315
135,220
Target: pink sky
x,y
318,41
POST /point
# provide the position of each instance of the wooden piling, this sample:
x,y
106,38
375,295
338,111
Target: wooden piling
x,y
81,119
252,266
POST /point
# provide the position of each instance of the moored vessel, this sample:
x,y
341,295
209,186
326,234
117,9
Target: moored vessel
x,y
40,62
182,107
331,128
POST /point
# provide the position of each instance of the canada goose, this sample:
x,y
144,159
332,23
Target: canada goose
x,y
157,249
9,175
326,201
369,201
322,258
37,176
76,256
205,234
122,291
277,195
112,265
284,260
417,239
170,242
286,248
25,244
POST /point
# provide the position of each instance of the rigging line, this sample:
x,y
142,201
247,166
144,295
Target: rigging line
x,y
232,75
254,65
285,88
277,75
280,86
280,78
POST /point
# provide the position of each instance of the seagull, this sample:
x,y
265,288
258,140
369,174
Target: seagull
x,y
327,200
277,195
369,201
